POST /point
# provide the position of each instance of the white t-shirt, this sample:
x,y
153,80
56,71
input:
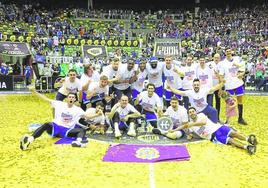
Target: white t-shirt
x,y
189,76
95,86
178,117
139,83
229,70
125,111
109,72
155,75
70,87
124,74
205,76
149,103
172,78
85,78
198,100
215,69
65,116
207,130
96,120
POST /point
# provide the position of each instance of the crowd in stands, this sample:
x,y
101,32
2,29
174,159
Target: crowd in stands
x,y
207,31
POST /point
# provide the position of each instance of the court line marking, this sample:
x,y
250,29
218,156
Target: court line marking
x,y
151,176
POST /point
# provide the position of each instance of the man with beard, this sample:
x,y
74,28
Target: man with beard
x,y
198,98
139,78
179,117
155,70
123,80
217,133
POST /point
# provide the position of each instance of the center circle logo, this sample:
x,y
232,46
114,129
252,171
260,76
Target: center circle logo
x,y
147,153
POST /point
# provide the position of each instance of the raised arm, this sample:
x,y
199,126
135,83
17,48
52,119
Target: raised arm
x,y
217,87
39,95
182,93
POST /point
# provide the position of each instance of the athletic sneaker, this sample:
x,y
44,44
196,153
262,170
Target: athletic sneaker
x,y
242,121
156,131
131,132
251,149
117,134
78,144
252,139
25,141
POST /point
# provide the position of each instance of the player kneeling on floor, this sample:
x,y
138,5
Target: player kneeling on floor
x,y
171,124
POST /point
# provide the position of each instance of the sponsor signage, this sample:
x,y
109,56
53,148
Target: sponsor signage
x,y
162,49
14,49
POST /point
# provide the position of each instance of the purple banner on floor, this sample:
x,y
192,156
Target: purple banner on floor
x,y
146,153
65,141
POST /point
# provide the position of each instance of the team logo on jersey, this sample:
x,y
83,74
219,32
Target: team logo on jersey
x,y
147,153
164,123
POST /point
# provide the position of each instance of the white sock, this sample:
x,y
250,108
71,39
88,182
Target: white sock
x,y
31,138
245,146
79,139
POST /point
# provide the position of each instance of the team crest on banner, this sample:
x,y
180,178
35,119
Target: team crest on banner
x,y
92,51
164,124
147,153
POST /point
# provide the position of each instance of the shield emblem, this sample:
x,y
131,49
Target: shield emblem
x,y
94,51
164,124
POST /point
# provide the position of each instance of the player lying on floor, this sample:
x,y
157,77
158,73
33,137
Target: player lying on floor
x,y
218,133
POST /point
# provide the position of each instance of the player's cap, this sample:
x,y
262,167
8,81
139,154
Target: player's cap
x,y
153,59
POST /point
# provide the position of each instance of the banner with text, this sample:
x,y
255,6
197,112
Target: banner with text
x,y
162,49
14,49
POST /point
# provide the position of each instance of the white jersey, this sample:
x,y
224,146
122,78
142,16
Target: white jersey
x,y
149,103
178,117
198,100
96,120
125,111
155,75
95,87
139,83
109,72
207,130
205,76
70,87
189,76
94,77
65,116
215,67
124,74
230,71
172,78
